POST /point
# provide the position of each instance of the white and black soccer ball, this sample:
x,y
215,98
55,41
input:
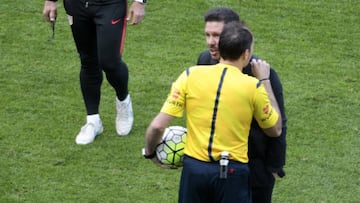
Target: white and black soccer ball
x,y
171,149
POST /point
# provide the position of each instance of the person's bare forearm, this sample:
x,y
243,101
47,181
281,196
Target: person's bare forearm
x,y
152,139
154,132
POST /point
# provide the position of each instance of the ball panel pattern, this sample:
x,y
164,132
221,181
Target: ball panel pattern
x,y
171,150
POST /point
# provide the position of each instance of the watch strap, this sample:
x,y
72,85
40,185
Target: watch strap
x,y
148,156
141,1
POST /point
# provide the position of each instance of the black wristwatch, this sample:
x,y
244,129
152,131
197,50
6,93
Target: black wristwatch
x,y
141,1
52,0
150,156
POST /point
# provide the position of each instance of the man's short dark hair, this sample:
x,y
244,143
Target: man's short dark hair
x,y
234,40
225,15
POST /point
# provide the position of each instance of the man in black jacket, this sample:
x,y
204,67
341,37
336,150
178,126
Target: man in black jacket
x,y
266,155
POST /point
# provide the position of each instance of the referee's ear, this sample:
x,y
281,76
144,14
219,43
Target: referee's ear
x,y
246,55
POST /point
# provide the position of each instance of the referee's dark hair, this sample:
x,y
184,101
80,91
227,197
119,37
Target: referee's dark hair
x,y
234,40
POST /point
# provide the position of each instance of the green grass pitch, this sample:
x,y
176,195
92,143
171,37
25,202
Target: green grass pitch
x,y
313,45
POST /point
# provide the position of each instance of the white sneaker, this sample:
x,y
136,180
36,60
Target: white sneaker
x,y
124,116
88,133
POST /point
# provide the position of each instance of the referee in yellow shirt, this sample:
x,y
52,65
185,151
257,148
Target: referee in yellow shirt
x,y
220,103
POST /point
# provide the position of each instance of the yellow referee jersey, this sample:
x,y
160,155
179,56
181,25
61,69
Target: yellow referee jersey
x,y
220,102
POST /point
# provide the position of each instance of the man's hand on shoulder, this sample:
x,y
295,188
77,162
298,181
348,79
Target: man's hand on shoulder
x,y
260,69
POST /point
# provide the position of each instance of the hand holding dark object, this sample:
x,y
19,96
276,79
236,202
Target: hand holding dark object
x,y
50,11
50,14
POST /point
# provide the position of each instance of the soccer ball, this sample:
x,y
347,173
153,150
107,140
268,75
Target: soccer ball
x,y
171,149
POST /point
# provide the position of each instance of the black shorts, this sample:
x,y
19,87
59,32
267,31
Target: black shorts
x,y
200,182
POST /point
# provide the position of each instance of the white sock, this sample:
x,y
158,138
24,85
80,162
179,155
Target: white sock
x,y
126,100
95,118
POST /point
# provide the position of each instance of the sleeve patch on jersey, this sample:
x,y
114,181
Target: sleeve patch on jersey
x,y
175,103
175,94
266,109
268,115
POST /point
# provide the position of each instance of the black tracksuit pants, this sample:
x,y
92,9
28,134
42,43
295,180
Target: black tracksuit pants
x,y
98,30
